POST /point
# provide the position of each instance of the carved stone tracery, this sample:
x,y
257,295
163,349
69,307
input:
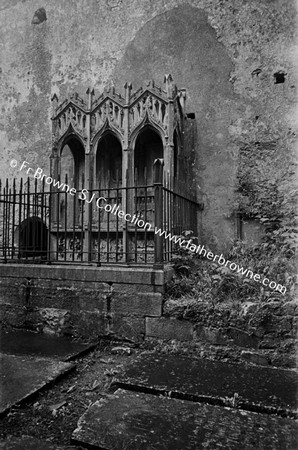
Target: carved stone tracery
x,y
162,109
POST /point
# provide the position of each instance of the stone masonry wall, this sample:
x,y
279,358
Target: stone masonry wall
x,y
79,301
89,302
262,333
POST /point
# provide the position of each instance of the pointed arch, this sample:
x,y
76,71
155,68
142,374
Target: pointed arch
x,y
145,123
69,134
148,147
108,160
106,128
32,237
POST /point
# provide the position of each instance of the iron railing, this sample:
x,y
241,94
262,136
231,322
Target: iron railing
x,y
101,226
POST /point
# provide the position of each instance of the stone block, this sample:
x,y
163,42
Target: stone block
x,y
12,290
132,288
88,324
138,304
255,358
69,295
164,328
12,315
213,336
127,327
243,338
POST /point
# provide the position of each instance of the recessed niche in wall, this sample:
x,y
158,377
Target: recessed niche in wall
x,y
279,77
249,230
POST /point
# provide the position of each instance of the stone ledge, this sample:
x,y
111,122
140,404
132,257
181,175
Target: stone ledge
x,y
123,274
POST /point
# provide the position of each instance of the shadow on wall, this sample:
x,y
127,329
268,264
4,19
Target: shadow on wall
x,y
180,42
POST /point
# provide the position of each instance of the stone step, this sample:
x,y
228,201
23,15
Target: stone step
x,y
260,389
139,421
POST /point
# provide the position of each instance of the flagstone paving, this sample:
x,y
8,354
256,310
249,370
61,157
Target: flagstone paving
x,y
249,387
23,376
162,402
139,421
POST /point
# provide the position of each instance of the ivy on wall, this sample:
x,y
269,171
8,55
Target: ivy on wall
x,y
267,193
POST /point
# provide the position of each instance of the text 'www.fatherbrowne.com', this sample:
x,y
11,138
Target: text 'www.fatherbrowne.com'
x,y
102,203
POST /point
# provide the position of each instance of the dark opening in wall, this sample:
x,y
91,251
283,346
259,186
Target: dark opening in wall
x,y
191,115
33,238
279,77
39,16
256,72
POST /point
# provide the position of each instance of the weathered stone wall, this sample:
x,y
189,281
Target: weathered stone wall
x,y
83,302
128,303
262,333
224,52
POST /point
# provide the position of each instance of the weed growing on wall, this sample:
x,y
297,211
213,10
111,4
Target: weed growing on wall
x,y
200,279
268,192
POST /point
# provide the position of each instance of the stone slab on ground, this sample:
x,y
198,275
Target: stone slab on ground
x,y
31,443
26,443
138,421
23,376
23,342
249,387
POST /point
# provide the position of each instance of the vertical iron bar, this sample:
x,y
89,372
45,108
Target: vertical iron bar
x,y
27,219
117,218
6,219
8,222
108,220
4,223
34,222
65,218
98,233
2,203
73,226
158,207
146,215
50,209
57,192
42,217
13,215
89,231
20,215
136,215
82,223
